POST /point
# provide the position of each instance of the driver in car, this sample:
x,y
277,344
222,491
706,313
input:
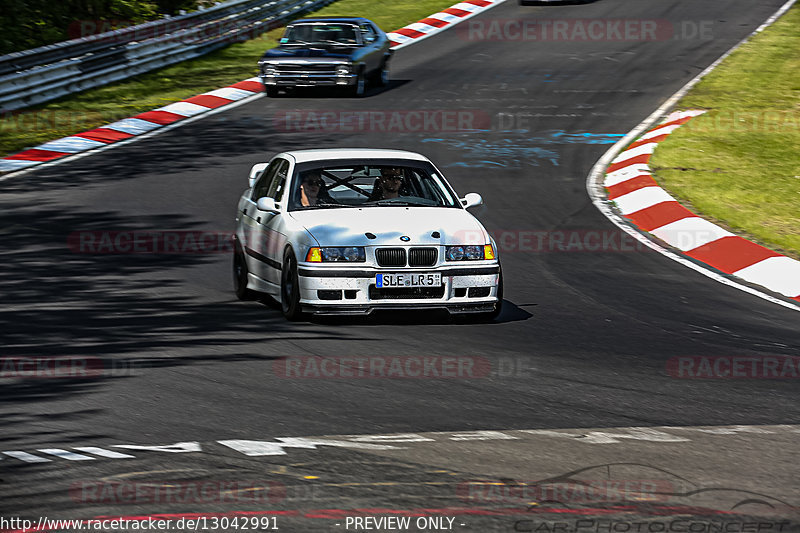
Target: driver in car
x,y
389,184
310,188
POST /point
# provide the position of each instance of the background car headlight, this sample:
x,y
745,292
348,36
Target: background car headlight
x,y
342,70
469,253
268,69
352,254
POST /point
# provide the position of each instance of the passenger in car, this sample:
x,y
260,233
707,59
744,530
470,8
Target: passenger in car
x,y
388,184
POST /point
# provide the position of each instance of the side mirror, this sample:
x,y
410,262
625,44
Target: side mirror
x,y
267,204
471,200
256,172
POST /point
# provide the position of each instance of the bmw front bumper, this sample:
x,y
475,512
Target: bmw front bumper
x,y
338,290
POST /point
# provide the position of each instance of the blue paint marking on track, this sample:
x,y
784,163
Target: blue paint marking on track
x,y
519,152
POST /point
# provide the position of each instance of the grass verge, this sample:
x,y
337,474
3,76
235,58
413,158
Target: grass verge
x,y
739,164
93,108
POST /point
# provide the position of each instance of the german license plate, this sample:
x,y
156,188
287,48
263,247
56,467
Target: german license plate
x,y
411,279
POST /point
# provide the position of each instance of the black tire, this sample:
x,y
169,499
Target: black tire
x,y
381,76
271,91
240,275
498,307
360,87
290,288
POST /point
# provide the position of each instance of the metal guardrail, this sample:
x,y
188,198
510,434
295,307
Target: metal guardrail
x,y
35,76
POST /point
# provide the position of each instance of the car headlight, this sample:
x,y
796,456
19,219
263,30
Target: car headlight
x,y
351,254
469,253
268,69
342,70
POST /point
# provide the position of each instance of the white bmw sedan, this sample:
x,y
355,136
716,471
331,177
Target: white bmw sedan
x,y
350,231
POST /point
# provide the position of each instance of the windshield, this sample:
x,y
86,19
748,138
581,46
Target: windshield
x,y
327,186
320,33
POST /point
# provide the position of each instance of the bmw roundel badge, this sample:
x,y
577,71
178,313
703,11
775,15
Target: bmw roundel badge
x,y
405,238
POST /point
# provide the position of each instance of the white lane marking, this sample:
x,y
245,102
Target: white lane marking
x,y
730,430
642,199
469,8
185,109
398,38
104,453
70,145
444,17
27,457
482,435
255,448
608,437
230,93
421,27
16,164
134,126
644,149
689,233
658,132
180,447
627,173
66,454
779,274
399,438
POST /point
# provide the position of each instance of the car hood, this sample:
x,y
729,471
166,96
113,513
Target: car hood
x,y
318,52
348,227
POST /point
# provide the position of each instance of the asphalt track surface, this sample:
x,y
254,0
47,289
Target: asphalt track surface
x,y
589,334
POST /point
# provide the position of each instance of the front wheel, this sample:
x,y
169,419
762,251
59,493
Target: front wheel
x,y
240,273
271,91
383,74
498,307
290,288
360,87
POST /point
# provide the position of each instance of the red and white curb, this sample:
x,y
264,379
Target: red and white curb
x,y
132,127
638,198
164,118
746,260
439,21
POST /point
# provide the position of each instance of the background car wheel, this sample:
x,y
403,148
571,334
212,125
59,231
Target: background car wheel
x,y
290,288
360,87
271,91
383,74
240,275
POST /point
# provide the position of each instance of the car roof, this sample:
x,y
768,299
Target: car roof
x,y
351,20
303,156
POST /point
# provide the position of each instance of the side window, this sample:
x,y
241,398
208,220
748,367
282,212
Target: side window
x,y
368,34
261,187
279,183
